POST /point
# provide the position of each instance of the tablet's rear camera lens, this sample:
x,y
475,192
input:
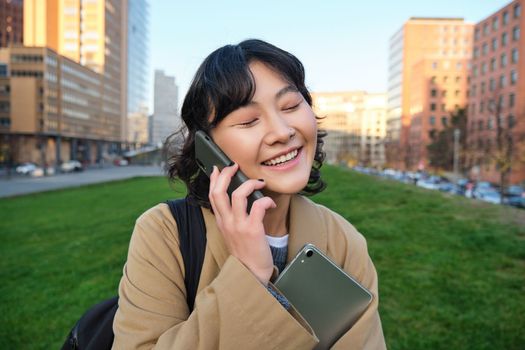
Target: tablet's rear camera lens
x,y
309,253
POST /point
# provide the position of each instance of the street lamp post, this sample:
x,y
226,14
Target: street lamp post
x,y
457,133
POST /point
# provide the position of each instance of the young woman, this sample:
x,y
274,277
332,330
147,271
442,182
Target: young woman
x,y
252,100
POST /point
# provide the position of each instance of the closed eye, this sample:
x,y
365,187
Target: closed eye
x,y
248,123
292,108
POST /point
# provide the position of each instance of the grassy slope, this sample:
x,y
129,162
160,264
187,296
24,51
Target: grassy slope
x,y
451,270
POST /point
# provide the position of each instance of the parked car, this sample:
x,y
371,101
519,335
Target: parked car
x,y
486,192
26,168
515,196
70,166
430,183
449,187
120,162
37,172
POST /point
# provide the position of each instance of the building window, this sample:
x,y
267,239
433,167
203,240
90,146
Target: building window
x,y
432,106
484,49
4,106
458,78
511,121
443,107
483,68
433,92
502,81
485,29
513,77
511,100
492,64
434,65
458,65
5,89
445,78
474,89
481,107
3,69
483,87
5,122
432,120
476,34
491,105
492,84
503,60
504,39
516,33
490,124
444,93
494,44
505,17
495,23
444,121
456,93
476,52
517,10
514,57
480,125
475,71
501,101
433,79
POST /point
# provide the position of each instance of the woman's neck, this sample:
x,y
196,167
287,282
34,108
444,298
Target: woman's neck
x,y
276,220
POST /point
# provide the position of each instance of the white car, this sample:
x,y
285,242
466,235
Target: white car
x,y
70,166
26,168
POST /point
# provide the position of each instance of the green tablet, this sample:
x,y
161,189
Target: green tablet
x,y
328,298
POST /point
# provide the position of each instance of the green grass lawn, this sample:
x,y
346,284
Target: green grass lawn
x,y
451,270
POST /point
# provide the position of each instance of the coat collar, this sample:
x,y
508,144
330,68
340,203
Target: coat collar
x,y
306,226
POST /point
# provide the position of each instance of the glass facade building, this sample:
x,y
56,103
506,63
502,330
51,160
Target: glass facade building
x,y
138,60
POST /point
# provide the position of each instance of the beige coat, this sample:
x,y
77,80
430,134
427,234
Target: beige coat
x,y
233,310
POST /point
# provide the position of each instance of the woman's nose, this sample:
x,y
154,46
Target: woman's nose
x,y
279,130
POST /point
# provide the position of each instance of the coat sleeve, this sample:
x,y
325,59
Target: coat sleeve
x,y
366,333
235,311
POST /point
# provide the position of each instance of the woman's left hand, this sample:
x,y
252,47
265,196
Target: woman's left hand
x,y
243,232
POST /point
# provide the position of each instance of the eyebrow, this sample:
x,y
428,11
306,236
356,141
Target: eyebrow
x,y
279,94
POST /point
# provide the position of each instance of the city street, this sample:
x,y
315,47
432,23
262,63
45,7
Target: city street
x,y
19,185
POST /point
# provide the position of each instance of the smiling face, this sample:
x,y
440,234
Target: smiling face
x,y
274,136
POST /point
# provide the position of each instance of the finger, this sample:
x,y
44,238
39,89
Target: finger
x,y
219,191
239,199
213,180
259,208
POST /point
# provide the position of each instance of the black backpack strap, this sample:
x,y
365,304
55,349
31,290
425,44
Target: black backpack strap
x,y
192,241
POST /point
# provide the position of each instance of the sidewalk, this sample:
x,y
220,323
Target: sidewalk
x,y
25,185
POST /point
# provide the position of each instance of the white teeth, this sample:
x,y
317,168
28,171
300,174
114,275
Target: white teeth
x,y
282,159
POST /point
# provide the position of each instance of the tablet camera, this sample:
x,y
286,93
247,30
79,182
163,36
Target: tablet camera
x,y
309,253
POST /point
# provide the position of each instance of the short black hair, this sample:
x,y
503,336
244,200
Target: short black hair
x,y
223,83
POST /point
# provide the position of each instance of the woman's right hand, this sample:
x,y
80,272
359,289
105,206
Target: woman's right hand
x,y
243,233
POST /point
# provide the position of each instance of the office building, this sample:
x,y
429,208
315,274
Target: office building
x,y
423,51
51,110
496,114
137,71
356,126
91,33
11,28
165,119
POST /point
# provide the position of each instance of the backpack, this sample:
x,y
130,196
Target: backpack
x,y
94,330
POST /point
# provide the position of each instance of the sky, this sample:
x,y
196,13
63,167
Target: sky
x,y
342,44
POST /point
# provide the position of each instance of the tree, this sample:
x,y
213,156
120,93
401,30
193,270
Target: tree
x,y
508,150
441,149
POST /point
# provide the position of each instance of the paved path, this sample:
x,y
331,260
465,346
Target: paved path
x,y
24,185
